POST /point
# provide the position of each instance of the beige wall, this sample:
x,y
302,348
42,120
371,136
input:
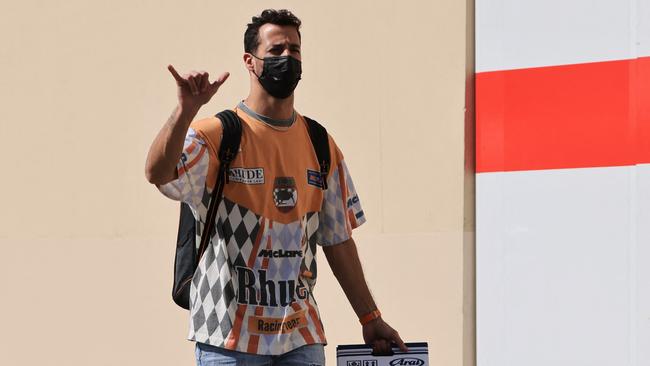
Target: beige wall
x,y
88,243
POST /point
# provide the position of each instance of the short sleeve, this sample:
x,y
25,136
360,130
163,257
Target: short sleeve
x,y
192,171
341,210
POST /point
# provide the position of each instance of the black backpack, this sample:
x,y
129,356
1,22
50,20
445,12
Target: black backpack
x,y
187,253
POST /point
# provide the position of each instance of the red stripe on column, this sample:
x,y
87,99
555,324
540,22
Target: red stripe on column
x,y
570,116
643,109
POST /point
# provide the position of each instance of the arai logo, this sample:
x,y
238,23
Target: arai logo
x,y
406,361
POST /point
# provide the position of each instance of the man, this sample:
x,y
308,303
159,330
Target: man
x,y
252,295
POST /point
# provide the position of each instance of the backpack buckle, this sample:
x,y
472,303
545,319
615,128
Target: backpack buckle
x,y
324,169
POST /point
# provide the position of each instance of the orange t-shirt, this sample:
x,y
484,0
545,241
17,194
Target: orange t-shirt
x,y
253,288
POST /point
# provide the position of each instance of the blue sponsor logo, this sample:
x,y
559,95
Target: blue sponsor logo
x,y
314,178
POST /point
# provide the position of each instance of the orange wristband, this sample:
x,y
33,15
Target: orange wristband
x,y
370,317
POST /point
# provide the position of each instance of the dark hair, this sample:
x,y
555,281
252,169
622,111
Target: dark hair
x,y
278,17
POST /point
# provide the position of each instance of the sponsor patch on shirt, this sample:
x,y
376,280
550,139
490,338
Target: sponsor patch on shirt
x,y
314,178
280,253
264,325
246,175
285,194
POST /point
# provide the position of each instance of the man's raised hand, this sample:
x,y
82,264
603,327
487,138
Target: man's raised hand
x,y
194,89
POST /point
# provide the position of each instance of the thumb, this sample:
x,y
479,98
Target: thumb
x,y
175,74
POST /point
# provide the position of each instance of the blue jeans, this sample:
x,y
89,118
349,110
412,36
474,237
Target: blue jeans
x,y
308,355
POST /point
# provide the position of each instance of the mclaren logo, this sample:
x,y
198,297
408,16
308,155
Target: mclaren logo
x,y
280,253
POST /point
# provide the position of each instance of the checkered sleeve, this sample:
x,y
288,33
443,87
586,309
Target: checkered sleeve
x,y
341,210
192,169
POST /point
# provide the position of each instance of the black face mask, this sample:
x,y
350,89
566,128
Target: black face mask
x,y
280,75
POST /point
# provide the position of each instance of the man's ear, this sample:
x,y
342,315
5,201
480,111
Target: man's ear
x,y
248,61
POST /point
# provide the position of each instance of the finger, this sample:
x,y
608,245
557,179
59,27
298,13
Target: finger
x,y
178,78
376,348
220,80
196,79
380,347
385,347
204,82
193,87
400,343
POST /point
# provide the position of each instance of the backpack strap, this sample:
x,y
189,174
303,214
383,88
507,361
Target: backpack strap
x,y
320,141
228,149
231,138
